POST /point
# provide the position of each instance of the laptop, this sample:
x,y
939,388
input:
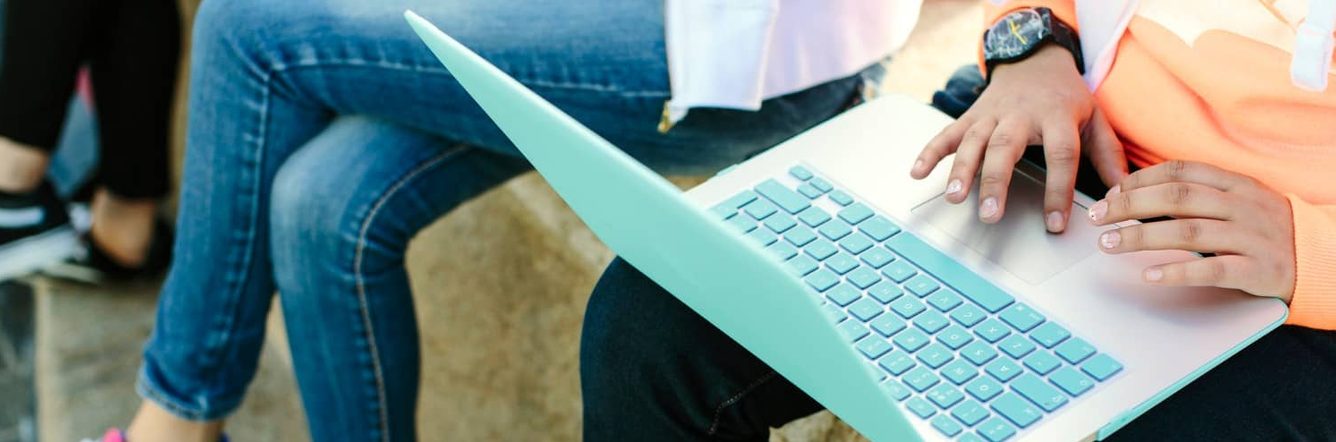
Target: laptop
x,y
897,311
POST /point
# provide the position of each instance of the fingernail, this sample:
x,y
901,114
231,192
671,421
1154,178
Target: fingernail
x,y
1098,211
1054,221
1110,239
1154,275
918,164
988,209
1114,191
954,187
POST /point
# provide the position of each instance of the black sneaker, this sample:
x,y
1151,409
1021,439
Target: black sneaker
x,y
89,264
35,231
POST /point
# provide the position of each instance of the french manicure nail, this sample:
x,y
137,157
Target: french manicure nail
x,y
1114,191
988,209
1154,275
954,187
1098,211
1110,239
1054,221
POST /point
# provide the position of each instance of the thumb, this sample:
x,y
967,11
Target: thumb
x,y
1101,144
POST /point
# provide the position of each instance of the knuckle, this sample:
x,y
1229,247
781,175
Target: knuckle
x,y
1001,139
1177,169
1180,194
1123,202
1190,231
1213,271
1062,154
992,179
975,133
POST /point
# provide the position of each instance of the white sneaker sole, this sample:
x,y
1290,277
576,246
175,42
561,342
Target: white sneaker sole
x,y
31,254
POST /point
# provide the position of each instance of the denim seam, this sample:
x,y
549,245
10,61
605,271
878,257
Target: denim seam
x,y
363,308
355,62
719,411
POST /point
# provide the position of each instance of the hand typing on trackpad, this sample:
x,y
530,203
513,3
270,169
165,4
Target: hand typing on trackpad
x,y
1019,242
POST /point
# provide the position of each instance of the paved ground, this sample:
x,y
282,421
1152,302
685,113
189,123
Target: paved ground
x,y
17,401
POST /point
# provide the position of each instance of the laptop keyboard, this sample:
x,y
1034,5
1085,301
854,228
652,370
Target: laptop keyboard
x,y
953,349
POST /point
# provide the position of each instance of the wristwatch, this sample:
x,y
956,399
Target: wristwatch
x,y
1022,33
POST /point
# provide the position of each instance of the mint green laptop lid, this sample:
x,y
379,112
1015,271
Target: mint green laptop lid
x,y
729,281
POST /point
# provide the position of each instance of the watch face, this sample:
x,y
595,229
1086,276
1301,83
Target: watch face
x,y
1014,35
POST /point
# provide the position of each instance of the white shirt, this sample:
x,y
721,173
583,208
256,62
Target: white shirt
x,y
737,53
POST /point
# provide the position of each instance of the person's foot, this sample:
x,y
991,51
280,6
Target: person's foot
x,y
116,435
92,264
35,231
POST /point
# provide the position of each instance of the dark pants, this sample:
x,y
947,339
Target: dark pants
x,y
131,47
652,369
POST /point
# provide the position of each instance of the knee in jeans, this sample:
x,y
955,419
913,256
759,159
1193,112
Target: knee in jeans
x,y
309,204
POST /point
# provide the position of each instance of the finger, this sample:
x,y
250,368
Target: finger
x,y
1180,200
1104,149
1197,235
1184,172
1227,271
1062,155
968,156
1005,148
939,147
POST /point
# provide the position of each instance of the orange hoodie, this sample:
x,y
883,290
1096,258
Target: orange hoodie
x,y
1210,82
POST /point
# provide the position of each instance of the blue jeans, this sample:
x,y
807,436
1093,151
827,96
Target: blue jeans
x,y
651,369
323,135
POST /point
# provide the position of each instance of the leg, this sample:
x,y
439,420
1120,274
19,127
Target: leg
x,y
339,241
652,369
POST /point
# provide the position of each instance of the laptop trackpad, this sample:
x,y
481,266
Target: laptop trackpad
x,y
1019,243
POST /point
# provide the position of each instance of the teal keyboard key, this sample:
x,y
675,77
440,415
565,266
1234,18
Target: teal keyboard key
x,y
803,264
978,353
863,277
842,263
931,322
944,300
841,198
899,271
947,426
760,209
1017,410
922,285
920,379
897,362
1021,317
835,229
763,237
743,224
782,250
1042,362
1041,393
723,211
855,213
955,337
959,372
884,291
992,330
896,389
970,437
997,430
786,199
779,224
968,315
873,347
1003,369
739,200
945,395
1049,334
843,294
800,173
984,388
856,243
852,331
1102,367
822,280
935,355
907,307
1075,350
1016,346
966,282
813,216
820,249
970,412
877,257
865,309
911,340
834,313
821,184
879,228
808,191
887,325
799,236
1071,381
920,408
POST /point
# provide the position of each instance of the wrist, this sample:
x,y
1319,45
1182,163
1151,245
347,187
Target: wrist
x,y
1048,61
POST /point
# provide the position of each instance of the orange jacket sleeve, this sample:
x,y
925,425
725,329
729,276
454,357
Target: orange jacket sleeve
x,y
1314,301
1065,10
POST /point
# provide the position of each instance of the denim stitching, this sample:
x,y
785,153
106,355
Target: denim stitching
x,y
361,286
357,62
719,411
